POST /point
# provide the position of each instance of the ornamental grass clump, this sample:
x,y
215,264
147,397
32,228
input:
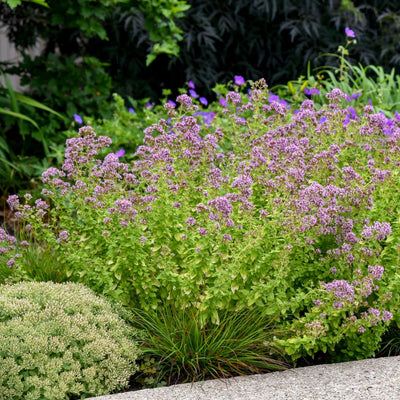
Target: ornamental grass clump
x,y
62,341
287,211
184,349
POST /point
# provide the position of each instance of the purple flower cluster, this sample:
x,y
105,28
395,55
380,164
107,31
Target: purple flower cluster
x,y
342,290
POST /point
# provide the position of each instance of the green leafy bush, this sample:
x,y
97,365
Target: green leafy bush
x,y
260,205
62,341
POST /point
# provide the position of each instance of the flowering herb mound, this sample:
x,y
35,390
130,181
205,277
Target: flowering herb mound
x,y
263,207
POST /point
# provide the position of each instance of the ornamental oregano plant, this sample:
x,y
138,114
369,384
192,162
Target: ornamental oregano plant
x,y
283,219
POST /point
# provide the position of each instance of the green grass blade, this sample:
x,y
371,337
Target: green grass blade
x,y
18,115
4,145
33,103
13,102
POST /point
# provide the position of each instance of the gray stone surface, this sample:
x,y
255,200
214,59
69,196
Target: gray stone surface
x,y
372,379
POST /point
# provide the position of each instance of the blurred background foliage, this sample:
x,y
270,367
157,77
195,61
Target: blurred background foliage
x,y
206,41
141,48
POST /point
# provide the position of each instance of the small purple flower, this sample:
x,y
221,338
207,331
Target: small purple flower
x,y
226,237
120,153
193,93
185,100
13,202
376,271
11,262
191,84
322,120
284,103
203,101
355,95
239,80
273,97
223,102
387,316
311,91
361,329
63,235
338,304
131,110
349,33
234,98
191,221
143,239
78,119
264,213
148,105
173,104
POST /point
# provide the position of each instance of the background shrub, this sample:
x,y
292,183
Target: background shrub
x,y
61,341
270,39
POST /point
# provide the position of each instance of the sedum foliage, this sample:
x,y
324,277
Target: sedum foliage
x,y
61,341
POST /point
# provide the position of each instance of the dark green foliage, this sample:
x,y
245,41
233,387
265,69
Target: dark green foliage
x,y
69,84
273,39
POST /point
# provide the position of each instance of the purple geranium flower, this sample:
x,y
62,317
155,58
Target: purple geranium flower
x,y
311,91
78,119
223,102
173,104
239,80
131,110
349,33
191,84
120,153
203,101
193,93
284,103
273,97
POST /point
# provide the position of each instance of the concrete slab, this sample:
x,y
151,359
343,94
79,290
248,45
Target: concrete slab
x,y
371,379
